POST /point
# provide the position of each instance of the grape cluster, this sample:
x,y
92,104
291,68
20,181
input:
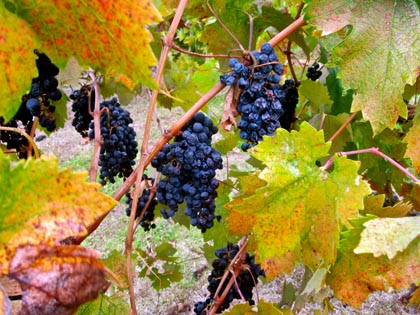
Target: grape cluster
x,y
80,108
37,103
189,164
119,147
313,72
246,279
263,102
146,221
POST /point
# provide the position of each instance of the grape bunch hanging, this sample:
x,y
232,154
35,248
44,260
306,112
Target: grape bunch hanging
x,y
244,284
37,103
146,221
313,72
83,102
189,165
264,104
119,147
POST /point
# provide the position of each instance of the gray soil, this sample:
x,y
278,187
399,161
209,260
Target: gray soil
x,y
180,297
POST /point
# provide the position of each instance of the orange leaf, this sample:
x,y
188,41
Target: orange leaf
x,y
57,280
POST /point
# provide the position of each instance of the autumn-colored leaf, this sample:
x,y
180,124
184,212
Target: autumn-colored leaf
x,y
56,280
304,206
40,204
262,308
388,236
376,59
354,277
413,142
17,67
374,205
107,35
5,304
230,112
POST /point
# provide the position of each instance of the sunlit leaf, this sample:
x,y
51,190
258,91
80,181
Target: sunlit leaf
x,y
303,206
354,277
109,36
262,308
56,205
17,67
413,142
376,59
388,236
57,280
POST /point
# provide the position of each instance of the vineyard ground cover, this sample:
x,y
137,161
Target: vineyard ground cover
x,y
180,297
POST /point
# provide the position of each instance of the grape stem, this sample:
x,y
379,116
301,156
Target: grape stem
x,y
343,126
24,134
191,53
377,152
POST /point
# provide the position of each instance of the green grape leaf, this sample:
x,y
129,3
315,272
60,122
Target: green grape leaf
x,y
108,36
317,94
262,308
17,66
342,99
60,207
376,59
104,304
413,142
388,236
354,277
298,214
377,169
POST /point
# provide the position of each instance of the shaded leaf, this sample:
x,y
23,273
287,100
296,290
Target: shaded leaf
x,y
57,280
413,142
263,308
341,98
118,44
296,216
5,303
415,298
317,94
376,59
354,277
17,42
57,204
388,236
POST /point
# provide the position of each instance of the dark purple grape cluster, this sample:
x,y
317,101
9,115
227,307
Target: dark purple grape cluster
x,y
264,103
37,103
146,221
189,165
246,279
313,72
80,107
119,147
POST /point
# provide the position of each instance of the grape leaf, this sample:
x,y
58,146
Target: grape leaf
x,y
5,304
376,59
262,308
56,280
60,207
388,236
341,98
109,36
17,43
413,142
104,304
374,205
296,217
317,94
354,277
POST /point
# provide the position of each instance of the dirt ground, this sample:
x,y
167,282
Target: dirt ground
x,y
67,144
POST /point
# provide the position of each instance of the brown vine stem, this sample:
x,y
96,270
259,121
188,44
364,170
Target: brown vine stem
x,y
32,134
168,42
342,127
191,53
24,134
97,128
178,125
377,152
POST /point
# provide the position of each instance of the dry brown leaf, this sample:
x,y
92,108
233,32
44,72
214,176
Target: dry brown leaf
x,y
230,112
57,280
